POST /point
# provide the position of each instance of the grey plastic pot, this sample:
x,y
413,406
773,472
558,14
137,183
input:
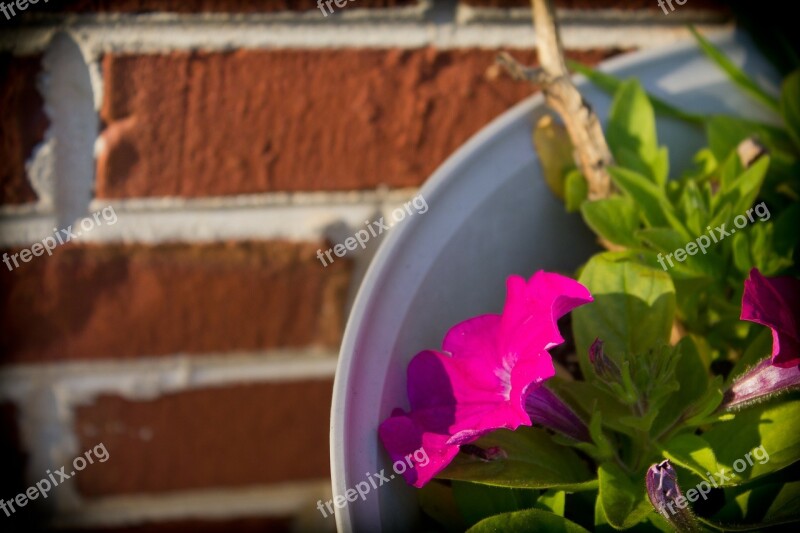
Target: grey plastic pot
x,y
490,215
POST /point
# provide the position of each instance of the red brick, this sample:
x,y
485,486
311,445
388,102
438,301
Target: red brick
x,y
122,301
224,437
599,4
223,6
241,525
197,124
22,125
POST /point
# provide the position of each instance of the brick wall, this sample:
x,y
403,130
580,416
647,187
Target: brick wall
x,y
196,335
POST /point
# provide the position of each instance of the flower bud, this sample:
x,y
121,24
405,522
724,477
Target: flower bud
x,y
666,497
548,410
604,367
762,382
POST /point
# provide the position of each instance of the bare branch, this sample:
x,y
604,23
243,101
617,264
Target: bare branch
x,y
591,149
518,71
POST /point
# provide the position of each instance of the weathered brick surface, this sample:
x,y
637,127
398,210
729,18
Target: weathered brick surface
x,y
221,6
22,125
222,437
124,301
198,124
600,4
242,525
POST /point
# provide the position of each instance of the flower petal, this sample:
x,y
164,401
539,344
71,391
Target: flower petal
x,y
775,303
532,309
402,436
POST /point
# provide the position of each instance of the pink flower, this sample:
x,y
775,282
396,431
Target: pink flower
x,y
775,303
479,381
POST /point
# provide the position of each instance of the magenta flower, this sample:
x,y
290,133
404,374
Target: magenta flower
x,y
775,303
479,381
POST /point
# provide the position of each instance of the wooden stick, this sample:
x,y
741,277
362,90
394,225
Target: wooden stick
x,y
591,149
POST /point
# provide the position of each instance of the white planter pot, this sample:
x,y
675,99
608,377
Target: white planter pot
x,y
490,215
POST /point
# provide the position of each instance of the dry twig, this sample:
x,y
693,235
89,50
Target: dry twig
x,y
591,149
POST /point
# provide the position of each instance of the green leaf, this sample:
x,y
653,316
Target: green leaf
x,y
552,500
765,505
707,404
722,216
604,446
476,502
705,165
624,502
747,506
532,461
660,166
437,501
767,258
610,84
786,503
755,248
614,219
530,521
575,191
736,74
601,524
693,378
651,199
769,425
555,152
662,239
641,423
696,265
591,399
790,105
743,191
725,133
624,293
740,245
692,452
759,348
730,169
694,208
631,132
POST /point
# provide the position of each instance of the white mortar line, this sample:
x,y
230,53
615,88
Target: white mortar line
x,y
300,216
149,377
482,15
132,34
351,13
274,500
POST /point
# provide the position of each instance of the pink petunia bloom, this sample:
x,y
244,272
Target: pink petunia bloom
x,y
479,381
775,303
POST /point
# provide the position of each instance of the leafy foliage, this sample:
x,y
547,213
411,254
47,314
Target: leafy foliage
x,y
666,305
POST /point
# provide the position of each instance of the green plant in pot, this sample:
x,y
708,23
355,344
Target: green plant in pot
x,y
678,408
